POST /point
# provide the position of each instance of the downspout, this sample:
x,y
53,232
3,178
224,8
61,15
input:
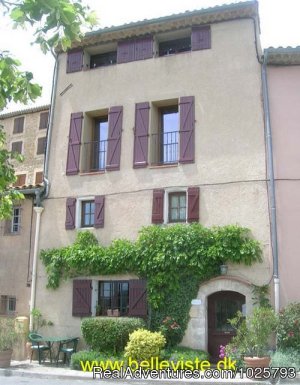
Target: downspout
x,y
38,210
271,181
50,128
41,194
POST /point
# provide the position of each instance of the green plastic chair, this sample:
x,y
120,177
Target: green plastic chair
x,y
67,347
39,345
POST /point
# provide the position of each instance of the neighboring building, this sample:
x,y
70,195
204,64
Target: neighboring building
x,y
26,133
283,76
159,121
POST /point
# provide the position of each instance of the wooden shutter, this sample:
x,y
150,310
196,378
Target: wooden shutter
x,y
74,60
114,138
201,38
158,206
39,177
144,48
193,204
41,145
125,51
74,143
187,129
82,298
21,180
137,298
140,151
99,211
43,120
70,213
18,125
17,147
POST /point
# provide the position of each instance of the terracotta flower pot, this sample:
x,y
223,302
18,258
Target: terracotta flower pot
x,y
257,362
5,358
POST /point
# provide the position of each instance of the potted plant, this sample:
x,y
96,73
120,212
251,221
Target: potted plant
x,y
8,337
253,336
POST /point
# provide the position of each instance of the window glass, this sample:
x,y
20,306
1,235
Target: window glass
x,y
98,146
87,213
169,135
16,220
175,46
113,295
177,207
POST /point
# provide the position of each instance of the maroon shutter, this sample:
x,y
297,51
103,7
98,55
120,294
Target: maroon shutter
x,y
99,211
44,120
193,204
125,51
18,125
201,38
114,138
140,151
158,206
144,48
137,298
70,213
187,129
74,61
82,297
74,143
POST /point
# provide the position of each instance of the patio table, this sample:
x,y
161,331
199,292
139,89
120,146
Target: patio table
x,y
51,341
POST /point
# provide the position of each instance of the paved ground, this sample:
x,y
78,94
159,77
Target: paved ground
x,y
25,369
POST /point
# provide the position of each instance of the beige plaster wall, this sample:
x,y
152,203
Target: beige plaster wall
x,y
284,96
229,163
16,259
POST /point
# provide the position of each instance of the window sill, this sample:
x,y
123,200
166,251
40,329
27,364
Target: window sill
x,y
170,165
100,172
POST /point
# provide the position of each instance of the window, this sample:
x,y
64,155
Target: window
x,y
41,145
39,177
103,59
135,49
87,213
94,152
13,225
175,46
96,145
7,305
114,295
17,147
18,125
177,207
21,180
43,120
168,135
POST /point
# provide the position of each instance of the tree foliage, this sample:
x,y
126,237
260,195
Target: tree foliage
x,y
55,23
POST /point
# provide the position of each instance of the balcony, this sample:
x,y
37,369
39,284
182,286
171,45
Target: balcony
x,y
164,148
93,156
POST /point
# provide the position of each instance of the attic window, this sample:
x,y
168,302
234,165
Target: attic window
x,y
103,59
171,47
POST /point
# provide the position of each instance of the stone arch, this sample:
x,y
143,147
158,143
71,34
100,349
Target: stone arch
x,y
196,332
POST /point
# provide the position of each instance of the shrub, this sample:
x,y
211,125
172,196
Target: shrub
x,y
288,331
171,329
90,359
8,334
288,358
144,344
109,335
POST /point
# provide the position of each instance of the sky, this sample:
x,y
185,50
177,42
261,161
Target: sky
x,y
279,21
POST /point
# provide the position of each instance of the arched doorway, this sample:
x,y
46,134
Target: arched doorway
x,y
221,306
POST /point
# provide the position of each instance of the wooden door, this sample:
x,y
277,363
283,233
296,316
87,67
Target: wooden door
x,y
222,305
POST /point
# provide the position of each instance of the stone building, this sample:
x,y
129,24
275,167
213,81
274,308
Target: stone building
x,y
26,133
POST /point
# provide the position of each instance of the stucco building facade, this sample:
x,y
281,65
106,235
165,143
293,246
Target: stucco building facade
x,y
158,121
283,80
26,132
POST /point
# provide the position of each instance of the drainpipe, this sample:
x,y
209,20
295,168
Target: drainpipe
x,y
271,181
50,127
38,210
